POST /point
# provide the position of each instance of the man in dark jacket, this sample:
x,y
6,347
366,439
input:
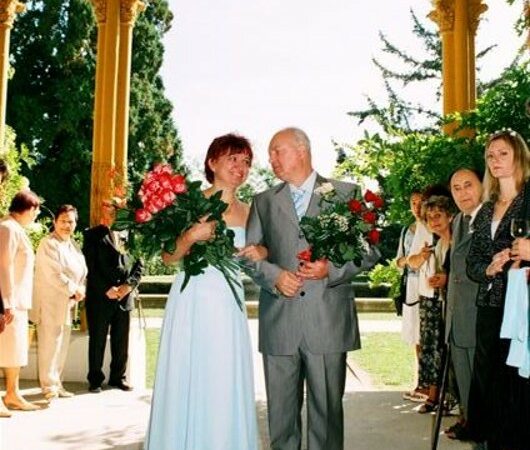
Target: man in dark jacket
x,y
112,276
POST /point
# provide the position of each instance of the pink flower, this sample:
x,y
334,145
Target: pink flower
x,y
178,183
160,168
167,196
142,215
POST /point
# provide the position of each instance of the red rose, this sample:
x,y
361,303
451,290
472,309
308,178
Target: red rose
x,y
178,184
304,255
378,202
369,196
142,215
373,236
369,217
355,206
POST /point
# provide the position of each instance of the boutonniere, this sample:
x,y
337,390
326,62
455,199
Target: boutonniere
x,y
325,189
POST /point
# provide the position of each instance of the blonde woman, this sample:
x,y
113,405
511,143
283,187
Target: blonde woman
x,y
495,398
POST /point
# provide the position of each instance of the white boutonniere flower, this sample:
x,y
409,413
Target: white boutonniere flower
x,y
324,189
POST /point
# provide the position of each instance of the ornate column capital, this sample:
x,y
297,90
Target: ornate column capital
x,y
129,10
100,9
443,14
476,8
8,10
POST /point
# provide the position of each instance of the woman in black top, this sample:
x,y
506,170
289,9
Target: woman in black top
x,y
490,403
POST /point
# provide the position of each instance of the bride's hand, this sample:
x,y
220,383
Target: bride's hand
x,y
253,252
202,231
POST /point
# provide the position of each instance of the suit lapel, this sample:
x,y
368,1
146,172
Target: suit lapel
x,y
463,236
285,202
314,204
109,240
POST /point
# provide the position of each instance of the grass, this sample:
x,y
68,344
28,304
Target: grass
x,y
387,359
384,356
152,337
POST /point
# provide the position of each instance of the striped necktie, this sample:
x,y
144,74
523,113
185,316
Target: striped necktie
x,y
298,201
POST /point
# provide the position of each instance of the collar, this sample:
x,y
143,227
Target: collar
x,y
474,214
307,185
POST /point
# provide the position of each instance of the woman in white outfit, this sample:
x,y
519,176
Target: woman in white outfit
x,y
16,285
410,244
60,274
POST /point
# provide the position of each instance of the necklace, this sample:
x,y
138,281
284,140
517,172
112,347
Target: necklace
x,y
505,200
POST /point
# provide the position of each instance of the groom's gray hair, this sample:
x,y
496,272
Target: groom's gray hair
x,y
300,137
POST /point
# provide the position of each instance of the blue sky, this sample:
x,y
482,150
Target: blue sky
x,y
257,66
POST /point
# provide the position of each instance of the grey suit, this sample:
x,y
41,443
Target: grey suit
x,y
461,311
307,336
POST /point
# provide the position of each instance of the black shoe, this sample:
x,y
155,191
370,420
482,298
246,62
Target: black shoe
x,y
123,385
94,389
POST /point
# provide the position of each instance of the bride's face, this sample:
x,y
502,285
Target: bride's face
x,y
231,169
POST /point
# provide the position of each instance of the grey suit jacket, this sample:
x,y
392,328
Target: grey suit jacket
x,y
461,291
323,314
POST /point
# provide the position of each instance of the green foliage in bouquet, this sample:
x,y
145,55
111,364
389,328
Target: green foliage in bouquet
x,y
340,231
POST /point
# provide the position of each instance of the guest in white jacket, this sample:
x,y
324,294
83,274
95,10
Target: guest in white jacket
x,y
60,274
16,285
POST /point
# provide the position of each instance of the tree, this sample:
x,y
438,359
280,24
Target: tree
x,y
399,114
13,158
51,96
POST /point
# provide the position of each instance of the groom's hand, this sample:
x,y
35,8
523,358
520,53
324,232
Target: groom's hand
x,y
288,283
313,270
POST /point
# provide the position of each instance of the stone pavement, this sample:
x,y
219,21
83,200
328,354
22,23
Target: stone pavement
x,y
374,420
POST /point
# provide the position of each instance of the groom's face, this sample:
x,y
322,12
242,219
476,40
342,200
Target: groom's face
x,y
285,155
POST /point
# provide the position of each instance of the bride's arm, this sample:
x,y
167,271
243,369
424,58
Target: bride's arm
x,y
201,231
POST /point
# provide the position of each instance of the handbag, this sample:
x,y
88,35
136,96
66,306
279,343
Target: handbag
x,y
401,298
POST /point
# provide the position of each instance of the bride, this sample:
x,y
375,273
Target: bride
x,y
203,396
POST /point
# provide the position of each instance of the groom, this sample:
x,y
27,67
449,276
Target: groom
x,y
307,316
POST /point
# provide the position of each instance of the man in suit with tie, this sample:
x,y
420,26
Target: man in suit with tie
x,y
466,189
112,276
307,315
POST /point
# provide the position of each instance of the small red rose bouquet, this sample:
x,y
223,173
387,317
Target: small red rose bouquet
x,y
343,228
165,206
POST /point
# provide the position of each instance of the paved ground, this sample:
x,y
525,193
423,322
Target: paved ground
x,y
375,420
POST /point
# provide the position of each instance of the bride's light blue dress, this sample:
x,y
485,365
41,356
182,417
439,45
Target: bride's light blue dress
x,y
203,397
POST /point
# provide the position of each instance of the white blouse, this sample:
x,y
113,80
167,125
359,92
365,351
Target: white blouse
x,y
16,265
60,271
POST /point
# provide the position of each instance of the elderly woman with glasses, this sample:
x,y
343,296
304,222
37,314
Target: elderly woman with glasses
x,y
16,285
60,275
437,212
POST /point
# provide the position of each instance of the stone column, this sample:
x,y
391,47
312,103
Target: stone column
x,y
458,21
108,16
8,10
129,10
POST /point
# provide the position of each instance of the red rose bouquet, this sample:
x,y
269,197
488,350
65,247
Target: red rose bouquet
x,y
165,206
343,227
